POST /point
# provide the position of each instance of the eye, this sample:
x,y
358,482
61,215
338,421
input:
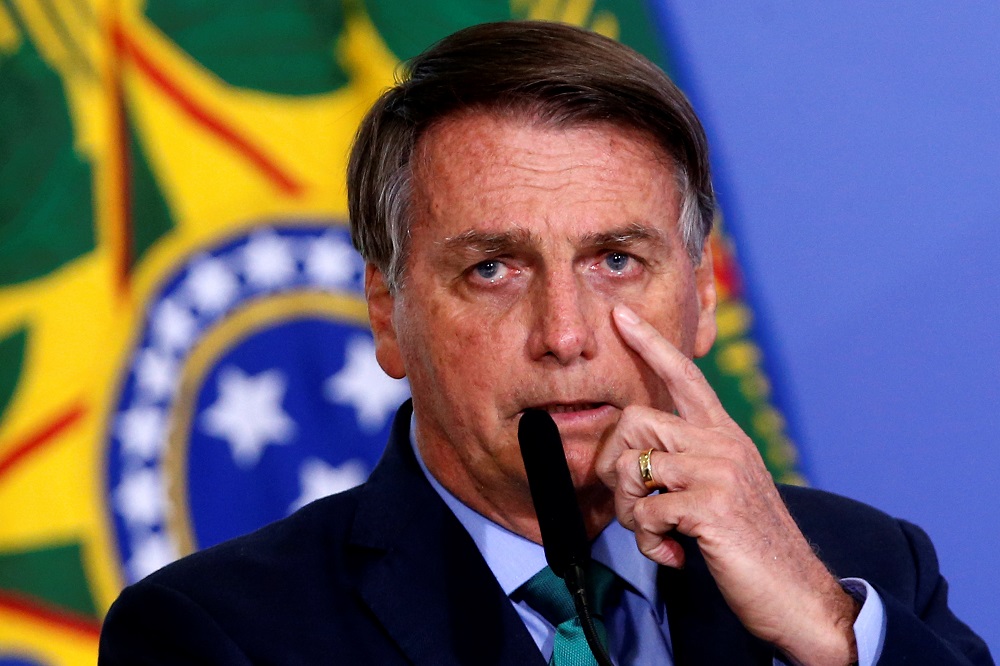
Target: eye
x,y
618,265
618,262
490,270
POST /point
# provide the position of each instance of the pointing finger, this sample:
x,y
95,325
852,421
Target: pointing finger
x,y
694,399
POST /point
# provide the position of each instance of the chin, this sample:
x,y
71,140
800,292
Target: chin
x,y
582,468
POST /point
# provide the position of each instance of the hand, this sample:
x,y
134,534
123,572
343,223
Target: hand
x,y
721,494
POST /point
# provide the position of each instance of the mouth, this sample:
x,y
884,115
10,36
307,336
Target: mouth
x,y
579,419
582,422
572,407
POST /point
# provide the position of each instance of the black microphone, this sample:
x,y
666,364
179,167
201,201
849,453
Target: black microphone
x,y
560,522
563,534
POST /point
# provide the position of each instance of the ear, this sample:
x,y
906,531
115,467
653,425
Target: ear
x,y
381,305
704,275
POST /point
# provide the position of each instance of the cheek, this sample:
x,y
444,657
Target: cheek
x,y
675,314
483,351
452,351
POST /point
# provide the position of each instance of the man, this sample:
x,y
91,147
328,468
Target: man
x,y
533,204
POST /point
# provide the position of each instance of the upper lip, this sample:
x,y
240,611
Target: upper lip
x,y
569,405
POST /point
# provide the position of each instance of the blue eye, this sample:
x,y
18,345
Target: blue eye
x,y
617,261
489,270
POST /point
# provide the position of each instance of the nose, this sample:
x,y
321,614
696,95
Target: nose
x,y
563,327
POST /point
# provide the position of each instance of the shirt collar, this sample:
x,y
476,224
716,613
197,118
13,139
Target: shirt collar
x,y
514,559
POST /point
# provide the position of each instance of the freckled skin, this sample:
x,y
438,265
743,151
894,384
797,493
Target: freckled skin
x,y
483,332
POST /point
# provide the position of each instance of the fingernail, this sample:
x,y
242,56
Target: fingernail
x,y
624,314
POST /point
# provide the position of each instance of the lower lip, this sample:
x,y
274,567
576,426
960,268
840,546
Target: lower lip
x,y
584,418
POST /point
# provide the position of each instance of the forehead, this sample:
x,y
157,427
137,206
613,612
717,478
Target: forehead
x,y
490,136
476,165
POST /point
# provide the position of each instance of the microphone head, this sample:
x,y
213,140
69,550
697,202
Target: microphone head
x,y
559,520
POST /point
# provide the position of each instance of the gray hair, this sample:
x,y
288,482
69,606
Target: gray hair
x,y
553,72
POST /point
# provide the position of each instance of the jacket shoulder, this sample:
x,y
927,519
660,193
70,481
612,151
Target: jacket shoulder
x,y
856,540
313,534
286,593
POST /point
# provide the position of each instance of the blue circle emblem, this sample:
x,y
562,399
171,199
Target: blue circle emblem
x,y
253,389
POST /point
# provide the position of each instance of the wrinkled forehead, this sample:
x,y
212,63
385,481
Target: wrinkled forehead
x,y
480,130
587,184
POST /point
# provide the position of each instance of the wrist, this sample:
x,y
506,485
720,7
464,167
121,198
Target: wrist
x,y
826,635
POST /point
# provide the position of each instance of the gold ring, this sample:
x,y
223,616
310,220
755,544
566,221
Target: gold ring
x,y
646,470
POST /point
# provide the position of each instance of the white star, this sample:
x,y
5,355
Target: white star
x,y
139,498
318,479
268,261
248,414
331,262
362,384
156,374
142,431
212,285
152,552
174,326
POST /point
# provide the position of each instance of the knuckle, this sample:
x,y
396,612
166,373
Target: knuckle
x,y
629,411
624,513
630,416
646,545
688,369
643,511
730,472
624,464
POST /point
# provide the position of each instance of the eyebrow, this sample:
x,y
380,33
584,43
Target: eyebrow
x,y
504,242
628,235
490,242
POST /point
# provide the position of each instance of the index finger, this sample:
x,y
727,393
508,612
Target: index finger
x,y
693,397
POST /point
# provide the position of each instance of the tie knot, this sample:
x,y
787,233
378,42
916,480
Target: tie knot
x,y
546,593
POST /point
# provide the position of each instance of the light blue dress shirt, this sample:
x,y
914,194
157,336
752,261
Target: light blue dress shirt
x,y
638,632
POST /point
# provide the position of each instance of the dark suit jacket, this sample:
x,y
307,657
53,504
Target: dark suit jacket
x,y
385,574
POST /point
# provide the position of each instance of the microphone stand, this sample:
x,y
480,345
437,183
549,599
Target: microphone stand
x,y
576,584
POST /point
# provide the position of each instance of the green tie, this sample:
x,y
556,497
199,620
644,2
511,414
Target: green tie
x,y
546,593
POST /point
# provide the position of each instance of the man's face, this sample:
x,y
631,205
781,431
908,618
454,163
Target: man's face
x,y
524,237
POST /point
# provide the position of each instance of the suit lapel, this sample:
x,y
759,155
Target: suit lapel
x,y
703,629
421,574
